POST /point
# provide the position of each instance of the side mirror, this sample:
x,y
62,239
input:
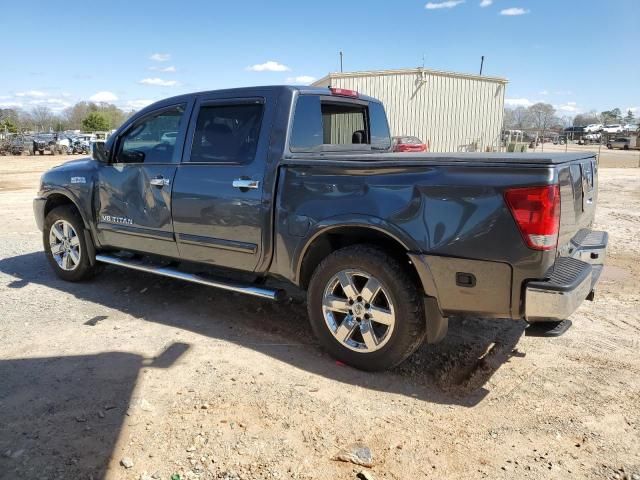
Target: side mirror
x,y
100,152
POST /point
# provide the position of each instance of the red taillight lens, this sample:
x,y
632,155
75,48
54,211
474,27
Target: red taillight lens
x,y
536,211
343,92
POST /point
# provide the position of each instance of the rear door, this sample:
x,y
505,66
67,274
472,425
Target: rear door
x,y
133,203
221,209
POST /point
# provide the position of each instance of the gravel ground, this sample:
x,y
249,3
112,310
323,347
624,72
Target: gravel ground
x,y
135,377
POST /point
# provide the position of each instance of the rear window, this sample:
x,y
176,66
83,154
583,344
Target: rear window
x,y
319,122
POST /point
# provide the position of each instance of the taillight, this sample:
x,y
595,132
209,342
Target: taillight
x,y
536,211
343,92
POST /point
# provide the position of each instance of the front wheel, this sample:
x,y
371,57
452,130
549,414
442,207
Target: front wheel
x,y
66,246
365,309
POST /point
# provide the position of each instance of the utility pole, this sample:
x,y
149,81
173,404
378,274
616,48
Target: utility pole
x,y
340,61
481,64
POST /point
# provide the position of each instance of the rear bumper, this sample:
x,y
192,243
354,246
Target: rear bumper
x,y
570,281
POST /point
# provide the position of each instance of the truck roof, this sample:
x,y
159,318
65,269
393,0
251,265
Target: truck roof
x,y
249,91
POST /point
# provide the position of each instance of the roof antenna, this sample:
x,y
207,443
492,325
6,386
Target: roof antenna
x,y
481,64
340,61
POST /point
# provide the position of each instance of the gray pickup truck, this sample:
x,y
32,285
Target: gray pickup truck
x,y
299,184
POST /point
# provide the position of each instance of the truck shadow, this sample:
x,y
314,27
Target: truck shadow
x,y
454,371
61,416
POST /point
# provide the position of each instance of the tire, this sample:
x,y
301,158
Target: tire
x,y
626,147
398,302
69,269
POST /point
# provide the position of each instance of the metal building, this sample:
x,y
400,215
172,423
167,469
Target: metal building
x,y
452,111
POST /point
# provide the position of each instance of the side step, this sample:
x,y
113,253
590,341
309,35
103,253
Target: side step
x,y
271,294
547,329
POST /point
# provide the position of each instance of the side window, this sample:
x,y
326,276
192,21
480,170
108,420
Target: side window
x,y
152,139
306,133
227,133
380,136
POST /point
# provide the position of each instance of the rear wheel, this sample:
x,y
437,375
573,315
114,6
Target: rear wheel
x,y
365,309
66,246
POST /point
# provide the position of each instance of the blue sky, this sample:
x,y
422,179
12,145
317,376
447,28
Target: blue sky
x,y
576,55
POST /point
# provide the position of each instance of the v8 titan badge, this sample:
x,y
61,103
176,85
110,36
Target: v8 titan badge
x,y
119,220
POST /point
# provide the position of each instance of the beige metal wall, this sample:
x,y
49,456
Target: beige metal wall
x,y
454,112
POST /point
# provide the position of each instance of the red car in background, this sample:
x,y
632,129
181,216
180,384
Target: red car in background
x,y
409,144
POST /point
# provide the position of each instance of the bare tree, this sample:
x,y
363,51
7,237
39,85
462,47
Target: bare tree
x,y
74,115
611,116
516,118
583,119
543,116
43,117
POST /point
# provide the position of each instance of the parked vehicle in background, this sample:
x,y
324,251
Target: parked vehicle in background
x,y
169,137
559,139
80,145
592,128
407,143
613,128
620,142
631,127
17,145
300,184
63,144
39,144
593,137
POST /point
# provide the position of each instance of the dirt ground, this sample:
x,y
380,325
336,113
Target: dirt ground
x,y
173,378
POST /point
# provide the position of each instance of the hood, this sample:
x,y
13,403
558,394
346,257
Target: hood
x,y
86,163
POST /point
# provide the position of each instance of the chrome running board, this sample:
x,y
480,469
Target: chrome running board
x,y
271,294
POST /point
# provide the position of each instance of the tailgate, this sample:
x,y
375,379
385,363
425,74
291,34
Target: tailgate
x,y
578,197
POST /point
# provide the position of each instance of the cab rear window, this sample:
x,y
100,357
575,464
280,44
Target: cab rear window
x,y
321,123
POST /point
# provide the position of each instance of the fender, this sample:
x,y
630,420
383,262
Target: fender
x,y
72,197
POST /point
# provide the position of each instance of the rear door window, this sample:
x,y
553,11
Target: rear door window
x,y
227,133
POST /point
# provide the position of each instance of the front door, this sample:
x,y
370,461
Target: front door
x,y
133,201
221,211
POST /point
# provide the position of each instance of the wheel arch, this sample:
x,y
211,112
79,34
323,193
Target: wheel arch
x,y
58,198
330,238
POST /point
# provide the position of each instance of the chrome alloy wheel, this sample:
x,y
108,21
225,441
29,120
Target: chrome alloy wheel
x,y
65,245
358,311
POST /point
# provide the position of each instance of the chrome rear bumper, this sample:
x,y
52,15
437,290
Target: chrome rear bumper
x,y
571,280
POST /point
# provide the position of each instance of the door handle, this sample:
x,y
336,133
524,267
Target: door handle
x,y
159,181
245,183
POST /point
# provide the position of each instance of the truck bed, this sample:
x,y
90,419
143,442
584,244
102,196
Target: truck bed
x,y
470,159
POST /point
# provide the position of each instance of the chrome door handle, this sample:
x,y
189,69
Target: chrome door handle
x,y
159,181
246,183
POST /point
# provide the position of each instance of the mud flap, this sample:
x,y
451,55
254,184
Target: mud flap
x,y
437,325
91,251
